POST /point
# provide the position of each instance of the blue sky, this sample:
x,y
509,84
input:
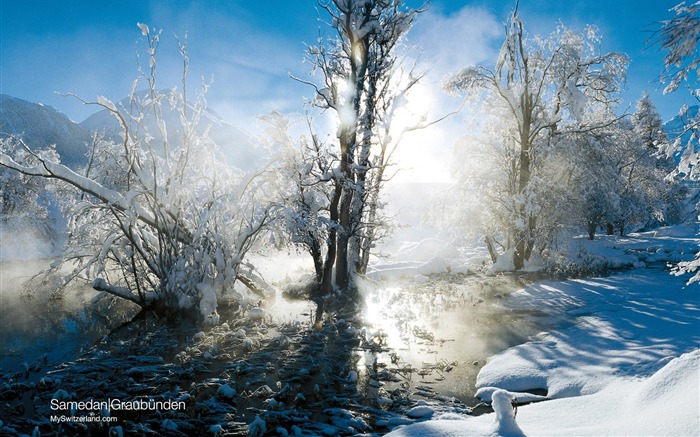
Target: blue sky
x,y
88,47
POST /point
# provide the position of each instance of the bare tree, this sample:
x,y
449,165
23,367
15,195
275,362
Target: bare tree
x,y
363,82
157,219
544,86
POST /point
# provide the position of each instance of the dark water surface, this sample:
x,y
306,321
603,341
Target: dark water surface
x,y
438,334
411,342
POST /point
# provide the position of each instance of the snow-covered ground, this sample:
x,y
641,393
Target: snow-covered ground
x,y
624,360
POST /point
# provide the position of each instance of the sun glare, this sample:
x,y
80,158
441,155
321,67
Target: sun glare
x,y
423,150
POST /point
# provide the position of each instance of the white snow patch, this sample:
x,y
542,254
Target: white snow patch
x,y
667,403
420,411
226,391
256,314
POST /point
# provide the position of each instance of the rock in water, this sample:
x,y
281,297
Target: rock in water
x,y
420,411
226,391
257,427
256,314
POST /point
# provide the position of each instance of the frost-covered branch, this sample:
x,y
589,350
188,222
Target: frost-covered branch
x,y
159,219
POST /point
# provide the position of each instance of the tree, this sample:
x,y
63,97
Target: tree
x,y
543,87
363,84
304,168
679,37
25,199
159,222
662,190
595,179
617,175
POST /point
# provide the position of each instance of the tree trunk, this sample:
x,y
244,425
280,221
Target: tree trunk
x,y
519,255
609,229
342,273
345,224
317,255
592,225
489,240
524,244
327,281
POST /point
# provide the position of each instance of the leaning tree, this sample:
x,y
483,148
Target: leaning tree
x,y
156,217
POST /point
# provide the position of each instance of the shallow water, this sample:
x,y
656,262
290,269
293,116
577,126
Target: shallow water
x,y
443,331
35,326
411,342
434,337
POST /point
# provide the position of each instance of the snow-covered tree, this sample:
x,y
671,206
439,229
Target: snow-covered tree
x,y
542,88
25,199
649,127
665,195
162,223
594,180
679,37
304,169
362,81
615,177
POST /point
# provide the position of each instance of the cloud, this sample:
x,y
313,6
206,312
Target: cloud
x,y
451,42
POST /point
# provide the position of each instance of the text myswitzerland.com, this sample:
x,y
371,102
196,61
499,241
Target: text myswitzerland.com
x,y
82,419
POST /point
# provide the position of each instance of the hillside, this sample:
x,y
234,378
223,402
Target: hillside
x,y
41,126
237,146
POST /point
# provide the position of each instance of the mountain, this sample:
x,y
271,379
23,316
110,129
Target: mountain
x,y
238,147
675,127
41,126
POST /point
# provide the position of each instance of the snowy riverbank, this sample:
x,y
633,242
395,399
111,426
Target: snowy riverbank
x,y
625,361
620,356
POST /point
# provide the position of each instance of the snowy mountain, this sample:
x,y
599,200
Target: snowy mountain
x,y
675,127
40,126
237,146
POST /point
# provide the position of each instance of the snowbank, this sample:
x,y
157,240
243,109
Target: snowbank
x,y
667,403
623,327
422,258
610,368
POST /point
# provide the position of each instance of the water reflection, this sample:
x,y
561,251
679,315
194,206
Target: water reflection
x,y
430,338
437,336
39,327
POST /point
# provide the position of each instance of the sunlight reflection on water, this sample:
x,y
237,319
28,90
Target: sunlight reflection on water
x,y
442,332
434,336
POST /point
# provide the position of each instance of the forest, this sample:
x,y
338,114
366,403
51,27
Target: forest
x,y
293,287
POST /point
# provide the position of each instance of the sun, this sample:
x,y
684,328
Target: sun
x,y
423,148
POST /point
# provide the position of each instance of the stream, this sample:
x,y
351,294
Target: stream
x,y
411,343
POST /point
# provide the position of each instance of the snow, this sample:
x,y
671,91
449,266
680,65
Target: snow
x,y
420,411
502,403
504,263
623,359
256,314
207,303
257,427
666,403
418,259
226,391
623,326
352,376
